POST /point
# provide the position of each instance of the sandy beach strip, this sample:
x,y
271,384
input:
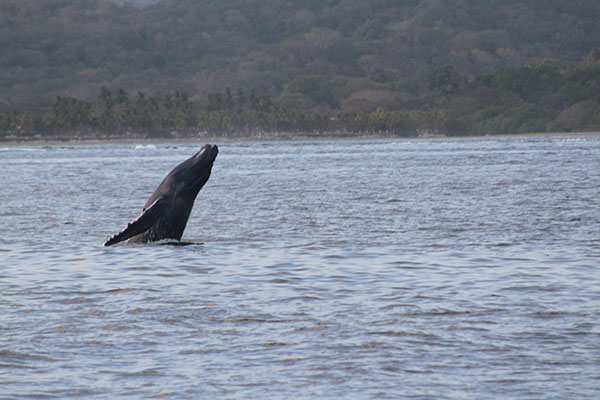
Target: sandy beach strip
x,y
267,137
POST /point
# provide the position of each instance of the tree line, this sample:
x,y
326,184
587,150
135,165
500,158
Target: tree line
x,y
543,97
231,112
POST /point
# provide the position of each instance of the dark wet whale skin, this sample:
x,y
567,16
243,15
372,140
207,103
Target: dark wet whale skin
x,y
167,211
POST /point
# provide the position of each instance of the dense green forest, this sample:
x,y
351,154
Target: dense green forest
x,y
403,67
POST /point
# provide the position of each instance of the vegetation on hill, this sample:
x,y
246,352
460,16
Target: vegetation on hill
x,y
453,67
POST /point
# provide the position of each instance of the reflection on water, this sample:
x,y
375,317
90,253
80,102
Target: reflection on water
x,y
365,269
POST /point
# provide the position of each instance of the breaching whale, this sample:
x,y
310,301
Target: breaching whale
x,y
166,212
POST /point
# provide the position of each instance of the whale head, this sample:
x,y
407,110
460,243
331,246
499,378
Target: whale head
x,y
191,175
201,167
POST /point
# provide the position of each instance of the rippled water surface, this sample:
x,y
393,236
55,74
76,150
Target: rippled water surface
x,y
426,269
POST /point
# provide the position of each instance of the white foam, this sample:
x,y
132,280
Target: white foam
x,y
148,146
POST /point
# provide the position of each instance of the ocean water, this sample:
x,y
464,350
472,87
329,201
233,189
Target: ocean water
x,y
417,269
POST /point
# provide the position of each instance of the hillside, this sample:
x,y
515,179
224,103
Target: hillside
x,y
309,56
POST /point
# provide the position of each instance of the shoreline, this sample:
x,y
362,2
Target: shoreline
x,y
277,137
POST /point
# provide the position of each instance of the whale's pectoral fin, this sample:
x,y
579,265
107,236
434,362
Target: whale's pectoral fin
x,y
139,225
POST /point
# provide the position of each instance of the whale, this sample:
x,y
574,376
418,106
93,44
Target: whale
x,y
168,209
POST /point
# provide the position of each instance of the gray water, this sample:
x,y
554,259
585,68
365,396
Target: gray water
x,y
418,269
